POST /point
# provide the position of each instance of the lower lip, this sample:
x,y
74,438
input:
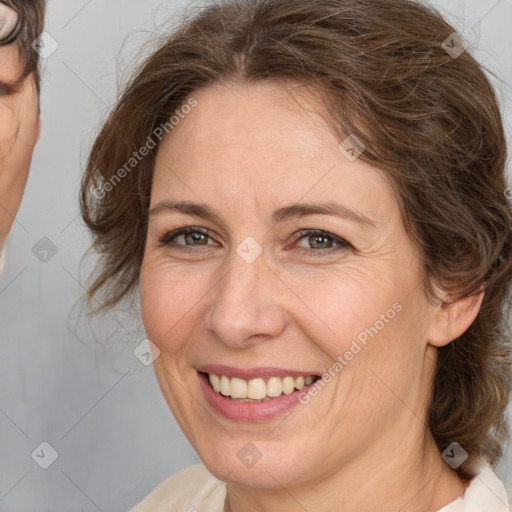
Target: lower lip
x,y
248,411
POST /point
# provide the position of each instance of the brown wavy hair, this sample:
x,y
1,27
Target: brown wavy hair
x,y
32,14
430,120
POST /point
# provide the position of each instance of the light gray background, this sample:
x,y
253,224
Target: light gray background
x,y
78,385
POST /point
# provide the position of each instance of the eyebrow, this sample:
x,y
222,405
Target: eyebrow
x,y
280,215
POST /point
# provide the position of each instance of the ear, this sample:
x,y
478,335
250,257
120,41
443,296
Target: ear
x,y
452,318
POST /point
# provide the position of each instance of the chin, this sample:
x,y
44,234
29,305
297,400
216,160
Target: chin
x,y
253,464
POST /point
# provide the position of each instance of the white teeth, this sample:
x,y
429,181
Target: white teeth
x,y
274,386
300,382
256,389
288,385
215,382
238,388
225,386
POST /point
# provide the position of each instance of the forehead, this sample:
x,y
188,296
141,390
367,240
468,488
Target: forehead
x,y
246,141
260,117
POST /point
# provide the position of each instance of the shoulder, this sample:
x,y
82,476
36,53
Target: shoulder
x,y
486,492
192,488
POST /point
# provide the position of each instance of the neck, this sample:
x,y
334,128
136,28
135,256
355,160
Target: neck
x,y
402,477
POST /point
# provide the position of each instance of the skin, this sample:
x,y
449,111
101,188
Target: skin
x,y
20,128
362,443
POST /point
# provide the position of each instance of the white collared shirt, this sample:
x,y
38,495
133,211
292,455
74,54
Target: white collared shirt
x,y
485,493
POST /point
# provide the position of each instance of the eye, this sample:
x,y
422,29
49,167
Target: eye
x,y
319,242
190,236
315,242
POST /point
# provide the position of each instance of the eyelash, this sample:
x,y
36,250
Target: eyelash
x,y
342,244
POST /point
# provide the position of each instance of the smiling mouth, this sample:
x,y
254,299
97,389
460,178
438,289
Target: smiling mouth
x,y
257,390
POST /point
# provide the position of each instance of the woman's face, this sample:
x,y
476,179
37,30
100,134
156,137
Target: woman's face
x,y
19,126
296,264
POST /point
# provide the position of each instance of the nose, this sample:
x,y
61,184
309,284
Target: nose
x,y
245,308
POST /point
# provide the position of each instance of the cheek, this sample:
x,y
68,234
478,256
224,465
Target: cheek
x,y
329,309
337,308
168,299
366,333
380,348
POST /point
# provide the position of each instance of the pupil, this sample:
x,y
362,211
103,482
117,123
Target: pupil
x,y
323,244
196,237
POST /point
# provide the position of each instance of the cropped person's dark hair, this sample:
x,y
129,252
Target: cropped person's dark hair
x,y
31,25
430,121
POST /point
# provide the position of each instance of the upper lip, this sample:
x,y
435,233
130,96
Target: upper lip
x,y
253,373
